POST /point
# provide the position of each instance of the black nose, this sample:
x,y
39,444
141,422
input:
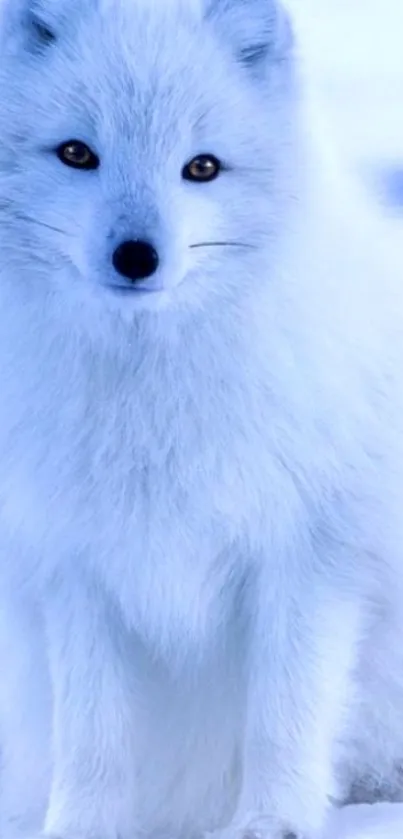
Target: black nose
x,y
135,260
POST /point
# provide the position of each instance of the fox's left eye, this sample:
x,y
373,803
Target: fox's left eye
x,y
202,169
78,155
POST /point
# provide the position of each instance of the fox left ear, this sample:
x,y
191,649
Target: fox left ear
x,y
258,30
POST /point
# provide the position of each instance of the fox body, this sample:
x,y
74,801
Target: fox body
x,y
201,434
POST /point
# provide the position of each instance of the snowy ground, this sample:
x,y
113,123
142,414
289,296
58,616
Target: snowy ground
x,y
356,50
379,821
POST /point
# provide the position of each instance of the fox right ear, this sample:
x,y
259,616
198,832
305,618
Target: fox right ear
x,y
29,21
37,24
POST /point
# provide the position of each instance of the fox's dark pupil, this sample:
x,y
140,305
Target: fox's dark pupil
x,y
79,152
77,155
203,167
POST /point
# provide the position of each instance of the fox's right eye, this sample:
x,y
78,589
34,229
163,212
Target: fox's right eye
x,y
78,155
204,168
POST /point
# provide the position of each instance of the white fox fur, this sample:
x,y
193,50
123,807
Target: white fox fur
x,y
201,496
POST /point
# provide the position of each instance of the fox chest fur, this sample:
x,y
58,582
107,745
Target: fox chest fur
x,y
159,479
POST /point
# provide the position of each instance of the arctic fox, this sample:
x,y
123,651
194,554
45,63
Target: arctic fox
x,y
201,435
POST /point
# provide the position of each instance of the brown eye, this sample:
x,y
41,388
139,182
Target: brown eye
x,y
202,169
77,155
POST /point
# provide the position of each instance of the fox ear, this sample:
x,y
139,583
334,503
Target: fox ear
x,y
38,23
32,22
258,30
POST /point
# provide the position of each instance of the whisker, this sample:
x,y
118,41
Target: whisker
x,y
223,245
31,220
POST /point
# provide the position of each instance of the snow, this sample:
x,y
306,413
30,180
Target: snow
x,y
378,821
354,48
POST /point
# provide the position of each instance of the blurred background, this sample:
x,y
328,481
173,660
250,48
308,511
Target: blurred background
x,y
355,49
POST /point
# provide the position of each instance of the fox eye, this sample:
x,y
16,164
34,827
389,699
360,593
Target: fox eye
x,y
78,155
202,169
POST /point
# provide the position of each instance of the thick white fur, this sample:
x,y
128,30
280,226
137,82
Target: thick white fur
x,y
201,488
